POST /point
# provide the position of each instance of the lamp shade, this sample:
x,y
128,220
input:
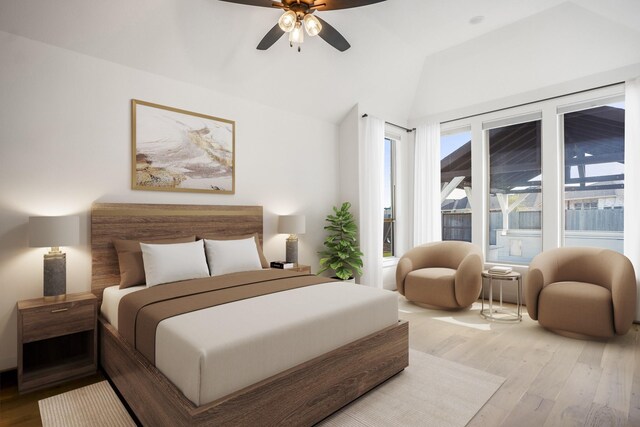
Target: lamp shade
x,y
52,231
291,224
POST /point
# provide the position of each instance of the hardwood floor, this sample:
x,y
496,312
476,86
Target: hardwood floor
x,y
550,380
22,410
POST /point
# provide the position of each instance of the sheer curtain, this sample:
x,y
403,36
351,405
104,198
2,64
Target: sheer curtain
x,y
632,178
426,205
371,182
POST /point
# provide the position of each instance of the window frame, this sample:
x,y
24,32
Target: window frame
x,y
527,117
448,131
561,111
392,161
552,157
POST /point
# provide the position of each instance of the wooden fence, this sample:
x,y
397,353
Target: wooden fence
x,y
457,226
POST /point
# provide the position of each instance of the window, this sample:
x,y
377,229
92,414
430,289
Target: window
x,y
388,242
578,140
455,185
594,177
515,192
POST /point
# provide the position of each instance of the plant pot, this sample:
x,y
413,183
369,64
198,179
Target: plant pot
x,y
349,280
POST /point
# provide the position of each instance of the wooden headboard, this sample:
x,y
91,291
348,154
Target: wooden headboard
x,y
137,221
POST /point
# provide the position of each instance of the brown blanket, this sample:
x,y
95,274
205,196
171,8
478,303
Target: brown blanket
x,y
139,313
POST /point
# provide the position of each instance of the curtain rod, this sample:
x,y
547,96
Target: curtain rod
x,y
392,124
532,102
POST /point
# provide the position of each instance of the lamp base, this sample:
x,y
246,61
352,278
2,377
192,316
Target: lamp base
x,y
292,251
55,274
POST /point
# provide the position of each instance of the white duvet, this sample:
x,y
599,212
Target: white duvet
x,y
212,352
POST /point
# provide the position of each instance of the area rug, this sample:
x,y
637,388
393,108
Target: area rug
x,y
93,405
430,392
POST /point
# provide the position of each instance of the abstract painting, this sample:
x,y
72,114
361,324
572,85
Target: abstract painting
x,y
177,150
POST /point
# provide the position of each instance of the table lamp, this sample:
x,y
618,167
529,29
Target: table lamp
x,y
53,232
291,225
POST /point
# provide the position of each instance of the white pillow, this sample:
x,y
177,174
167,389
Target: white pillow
x,y
164,263
232,256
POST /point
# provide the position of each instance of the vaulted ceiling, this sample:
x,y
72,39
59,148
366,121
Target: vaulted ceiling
x,y
212,44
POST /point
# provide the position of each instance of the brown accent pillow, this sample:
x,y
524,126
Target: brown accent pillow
x,y
263,260
130,257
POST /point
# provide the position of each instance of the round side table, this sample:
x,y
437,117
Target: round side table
x,y
502,314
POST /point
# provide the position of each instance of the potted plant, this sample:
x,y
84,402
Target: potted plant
x,y
341,254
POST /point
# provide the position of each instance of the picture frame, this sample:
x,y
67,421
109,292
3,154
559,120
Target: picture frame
x,y
179,150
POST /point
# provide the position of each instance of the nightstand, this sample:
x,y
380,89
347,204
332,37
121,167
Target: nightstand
x,y
302,268
57,340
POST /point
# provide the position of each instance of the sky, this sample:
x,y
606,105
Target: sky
x,y
450,143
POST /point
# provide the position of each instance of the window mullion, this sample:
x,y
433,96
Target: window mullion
x,y
552,184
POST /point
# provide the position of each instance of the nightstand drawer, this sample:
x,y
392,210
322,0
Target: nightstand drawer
x,y
57,340
57,319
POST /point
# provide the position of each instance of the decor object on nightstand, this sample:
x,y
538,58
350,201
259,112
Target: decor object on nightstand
x,y
57,340
342,253
291,225
283,265
53,232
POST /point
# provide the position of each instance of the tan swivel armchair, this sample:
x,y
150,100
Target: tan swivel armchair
x,y
582,292
442,274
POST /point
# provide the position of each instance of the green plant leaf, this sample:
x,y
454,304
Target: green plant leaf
x,y
341,254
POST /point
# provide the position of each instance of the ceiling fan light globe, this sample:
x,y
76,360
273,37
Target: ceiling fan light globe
x,y
297,35
287,21
312,25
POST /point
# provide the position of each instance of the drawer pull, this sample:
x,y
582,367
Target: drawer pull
x,y
59,310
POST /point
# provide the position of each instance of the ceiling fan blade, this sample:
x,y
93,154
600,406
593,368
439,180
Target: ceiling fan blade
x,y
263,3
270,38
322,4
332,36
343,4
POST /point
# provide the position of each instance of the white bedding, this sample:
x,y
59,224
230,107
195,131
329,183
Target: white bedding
x,y
210,353
111,299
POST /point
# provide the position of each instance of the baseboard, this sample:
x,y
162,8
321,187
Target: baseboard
x,y
8,378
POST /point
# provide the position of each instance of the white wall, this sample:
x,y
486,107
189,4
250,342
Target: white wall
x,y
65,143
561,50
349,131
212,44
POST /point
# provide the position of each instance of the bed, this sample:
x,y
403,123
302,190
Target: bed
x,y
306,389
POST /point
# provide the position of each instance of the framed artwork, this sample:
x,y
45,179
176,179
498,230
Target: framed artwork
x,y
178,150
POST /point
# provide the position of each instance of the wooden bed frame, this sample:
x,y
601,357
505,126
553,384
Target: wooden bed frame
x,y
302,395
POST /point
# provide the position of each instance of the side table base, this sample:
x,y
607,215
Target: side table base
x,y
500,314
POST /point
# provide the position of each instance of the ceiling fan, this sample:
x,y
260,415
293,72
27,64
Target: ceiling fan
x,y
298,14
